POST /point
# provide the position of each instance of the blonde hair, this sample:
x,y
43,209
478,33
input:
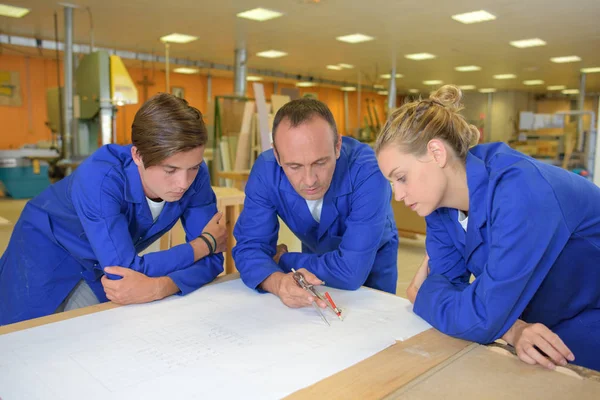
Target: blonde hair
x,y
414,124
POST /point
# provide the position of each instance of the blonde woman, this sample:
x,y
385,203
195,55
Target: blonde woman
x,y
529,233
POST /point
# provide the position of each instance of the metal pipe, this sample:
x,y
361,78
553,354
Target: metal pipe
x,y
168,84
392,90
62,113
208,89
68,76
346,114
358,104
488,118
581,107
239,71
139,56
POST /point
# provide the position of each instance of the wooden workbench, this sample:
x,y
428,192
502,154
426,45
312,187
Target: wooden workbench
x,y
231,202
427,366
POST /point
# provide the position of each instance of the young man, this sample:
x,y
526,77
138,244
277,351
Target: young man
x,y
115,204
330,193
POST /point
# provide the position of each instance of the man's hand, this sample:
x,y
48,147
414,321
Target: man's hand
x,y
285,287
135,287
217,227
281,250
418,279
529,339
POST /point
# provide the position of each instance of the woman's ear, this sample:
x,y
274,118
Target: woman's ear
x,y
438,151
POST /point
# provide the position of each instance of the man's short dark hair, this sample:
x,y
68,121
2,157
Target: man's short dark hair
x,y
302,110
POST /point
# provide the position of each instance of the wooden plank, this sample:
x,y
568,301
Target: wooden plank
x,y
263,116
386,371
242,154
479,373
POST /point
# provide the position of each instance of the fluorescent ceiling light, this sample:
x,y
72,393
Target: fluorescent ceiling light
x,y
12,11
388,76
346,66
474,17
306,84
383,92
178,38
556,87
347,88
525,43
355,38
251,78
570,91
419,56
334,67
379,86
260,14
272,54
533,82
505,76
467,68
433,82
487,90
566,59
590,70
413,90
466,87
186,70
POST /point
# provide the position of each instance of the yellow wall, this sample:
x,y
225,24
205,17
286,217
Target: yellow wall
x,y
14,121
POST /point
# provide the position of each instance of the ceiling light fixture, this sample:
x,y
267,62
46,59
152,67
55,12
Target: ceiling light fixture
x,y
259,14
474,17
565,59
178,38
272,54
505,76
186,70
467,68
389,76
306,84
420,56
12,11
590,70
355,38
533,82
525,43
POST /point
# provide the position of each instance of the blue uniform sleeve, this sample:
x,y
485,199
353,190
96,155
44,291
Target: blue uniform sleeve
x,y
99,207
256,232
444,257
201,209
349,266
527,233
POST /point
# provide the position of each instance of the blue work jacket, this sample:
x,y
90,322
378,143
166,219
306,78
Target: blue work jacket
x,y
98,217
533,245
354,244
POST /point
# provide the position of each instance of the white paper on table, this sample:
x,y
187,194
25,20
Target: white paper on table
x,y
222,341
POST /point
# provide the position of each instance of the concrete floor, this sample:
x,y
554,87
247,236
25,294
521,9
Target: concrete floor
x,y
410,252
